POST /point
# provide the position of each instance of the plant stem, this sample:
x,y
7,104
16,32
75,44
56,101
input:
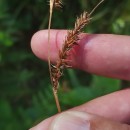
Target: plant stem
x,y
49,61
95,7
49,26
57,100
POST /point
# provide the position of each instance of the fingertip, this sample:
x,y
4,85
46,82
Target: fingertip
x,y
78,120
38,43
44,125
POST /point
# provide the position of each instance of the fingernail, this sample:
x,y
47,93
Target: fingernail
x,y
71,120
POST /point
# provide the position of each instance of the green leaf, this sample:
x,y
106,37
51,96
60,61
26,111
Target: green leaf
x,y
5,39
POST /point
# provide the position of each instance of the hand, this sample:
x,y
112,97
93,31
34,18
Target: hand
x,y
102,54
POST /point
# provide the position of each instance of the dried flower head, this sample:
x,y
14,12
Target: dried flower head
x,y
70,40
53,4
57,3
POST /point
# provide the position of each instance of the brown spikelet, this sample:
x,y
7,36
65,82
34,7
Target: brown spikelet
x,y
58,3
53,4
70,41
72,38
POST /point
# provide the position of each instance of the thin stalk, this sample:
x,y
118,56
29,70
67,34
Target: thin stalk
x,y
49,61
57,100
95,7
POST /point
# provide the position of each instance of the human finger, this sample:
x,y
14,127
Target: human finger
x,y
115,106
75,120
102,54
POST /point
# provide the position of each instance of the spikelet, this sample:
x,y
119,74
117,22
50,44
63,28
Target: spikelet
x,y
71,40
57,3
53,4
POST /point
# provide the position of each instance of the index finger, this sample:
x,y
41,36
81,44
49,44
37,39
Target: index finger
x,y
102,54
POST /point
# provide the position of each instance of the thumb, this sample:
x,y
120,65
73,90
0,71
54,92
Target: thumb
x,y
74,120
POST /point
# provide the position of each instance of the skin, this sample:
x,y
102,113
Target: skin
x,y
102,54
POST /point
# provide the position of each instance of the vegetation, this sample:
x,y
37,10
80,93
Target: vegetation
x,y
25,93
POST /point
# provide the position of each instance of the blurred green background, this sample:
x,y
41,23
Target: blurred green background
x,y
25,92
